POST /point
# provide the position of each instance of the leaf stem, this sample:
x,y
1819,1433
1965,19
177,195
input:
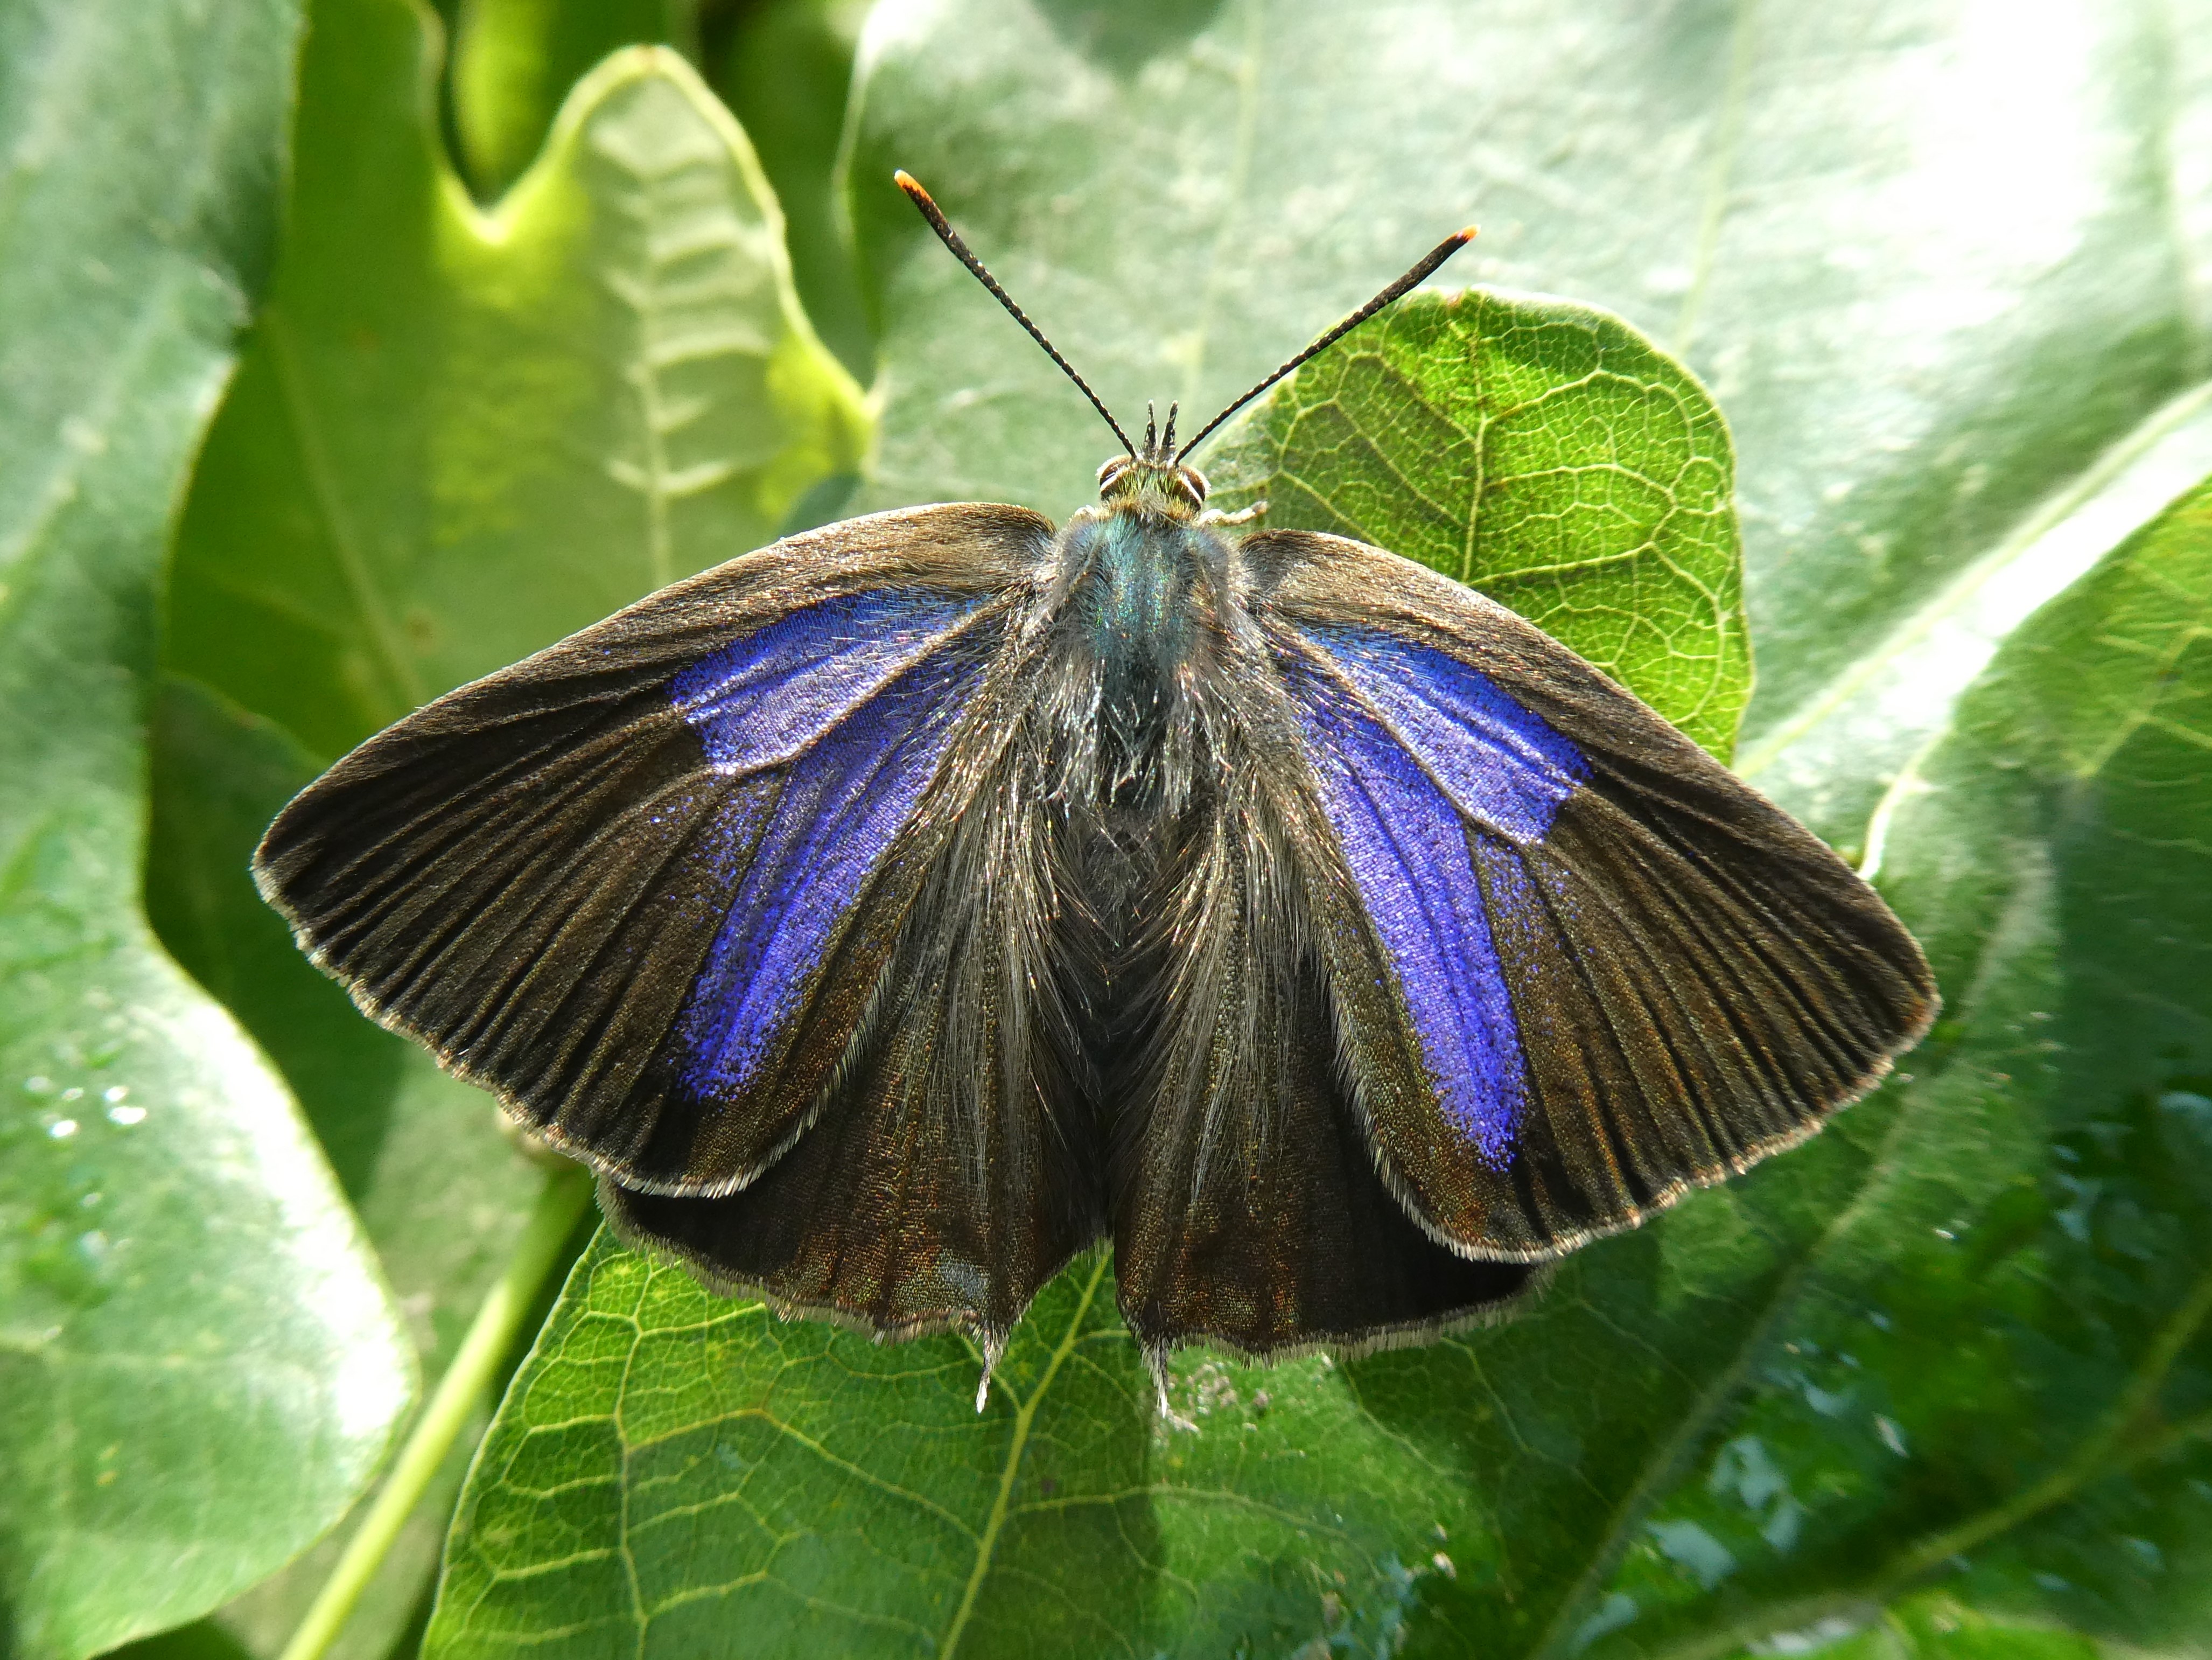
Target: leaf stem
x,y
567,1191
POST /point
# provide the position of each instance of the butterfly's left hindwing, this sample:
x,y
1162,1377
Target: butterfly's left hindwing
x,y
1590,969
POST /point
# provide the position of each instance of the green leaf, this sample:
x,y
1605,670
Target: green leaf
x,y
1990,1365
426,1161
1794,1398
199,1367
1934,267
461,436
670,1468
2064,815
1544,453
785,73
1828,757
418,476
1936,1626
515,60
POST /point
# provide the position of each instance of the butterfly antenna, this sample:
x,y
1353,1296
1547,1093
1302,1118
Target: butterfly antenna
x,y
951,238
1414,278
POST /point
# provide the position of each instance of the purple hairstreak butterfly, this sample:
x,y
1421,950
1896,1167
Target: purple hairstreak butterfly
x,y
894,912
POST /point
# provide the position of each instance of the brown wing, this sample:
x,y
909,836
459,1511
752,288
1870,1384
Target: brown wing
x,y
952,1165
534,875
1248,1205
1685,979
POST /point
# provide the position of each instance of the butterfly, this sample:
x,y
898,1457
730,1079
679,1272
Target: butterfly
x,y
894,912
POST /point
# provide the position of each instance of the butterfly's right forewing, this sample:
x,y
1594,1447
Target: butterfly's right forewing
x,y
1595,969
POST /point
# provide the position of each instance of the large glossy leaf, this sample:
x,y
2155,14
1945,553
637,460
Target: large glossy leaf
x,y
440,1189
460,436
199,1367
1986,1365
456,436
1934,264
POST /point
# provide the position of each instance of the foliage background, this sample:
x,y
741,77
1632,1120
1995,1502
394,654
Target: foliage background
x,y
503,336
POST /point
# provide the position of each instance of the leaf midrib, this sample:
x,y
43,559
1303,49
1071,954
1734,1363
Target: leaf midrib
x,y
1023,1417
1978,576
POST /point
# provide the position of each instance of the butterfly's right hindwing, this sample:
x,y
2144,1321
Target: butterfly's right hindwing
x,y
1248,1205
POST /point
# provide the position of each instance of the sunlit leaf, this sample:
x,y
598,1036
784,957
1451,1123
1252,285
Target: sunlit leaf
x,y
459,435
199,1367
1542,451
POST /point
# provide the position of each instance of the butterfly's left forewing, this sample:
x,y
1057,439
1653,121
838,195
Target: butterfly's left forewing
x,y
726,897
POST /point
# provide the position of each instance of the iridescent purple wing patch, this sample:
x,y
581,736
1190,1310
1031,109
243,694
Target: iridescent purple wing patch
x,y
855,700
1413,748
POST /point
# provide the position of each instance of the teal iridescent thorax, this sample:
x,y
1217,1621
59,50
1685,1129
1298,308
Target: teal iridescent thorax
x,y
1146,574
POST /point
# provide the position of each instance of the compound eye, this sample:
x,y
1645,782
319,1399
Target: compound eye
x,y
1192,482
1113,470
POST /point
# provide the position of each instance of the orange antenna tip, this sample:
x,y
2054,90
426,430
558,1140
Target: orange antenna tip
x,y
907,182
1466,235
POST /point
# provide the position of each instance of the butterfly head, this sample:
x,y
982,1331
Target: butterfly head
x,y
1151,478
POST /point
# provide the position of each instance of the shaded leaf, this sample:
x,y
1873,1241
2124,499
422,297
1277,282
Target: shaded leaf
x,y
199,1367
1937,1626
513,62
440,1187
784,71
341,559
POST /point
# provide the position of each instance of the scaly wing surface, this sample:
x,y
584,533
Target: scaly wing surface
x,y
655,886
1592,968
